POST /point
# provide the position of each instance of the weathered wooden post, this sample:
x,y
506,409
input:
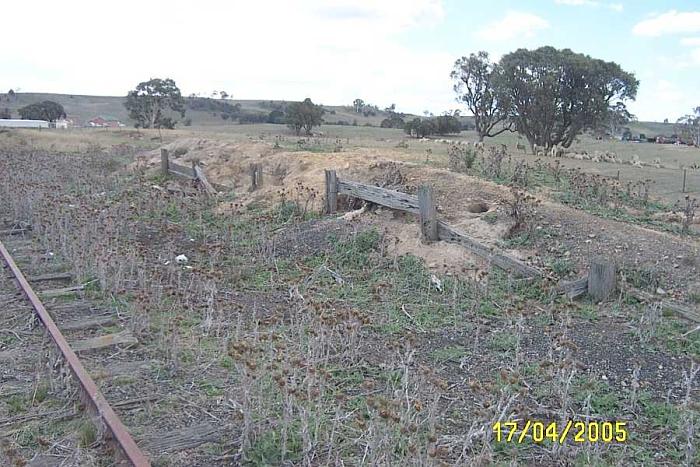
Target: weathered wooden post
x,y
685,173
164,162
331,191
428,213
255,176
602,279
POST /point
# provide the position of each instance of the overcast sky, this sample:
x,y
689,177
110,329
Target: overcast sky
x,y
383,51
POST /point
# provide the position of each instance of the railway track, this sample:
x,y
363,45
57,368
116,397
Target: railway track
x,y
65,365
63,360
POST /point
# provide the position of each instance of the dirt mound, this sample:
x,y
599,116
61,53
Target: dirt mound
x,y
300,174
228,164
472,205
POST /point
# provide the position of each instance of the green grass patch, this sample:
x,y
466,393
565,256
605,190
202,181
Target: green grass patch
x,y
451,353
604,400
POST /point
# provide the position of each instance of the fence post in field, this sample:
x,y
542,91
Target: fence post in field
x,y
164,163
255,176
685,173
428,213
601,279
331,192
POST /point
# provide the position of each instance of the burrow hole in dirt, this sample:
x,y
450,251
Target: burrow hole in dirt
x,y
478,207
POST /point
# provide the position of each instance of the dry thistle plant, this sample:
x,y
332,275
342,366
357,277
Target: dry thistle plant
x,y
493,164
460,157
521,209
688,209
520,174
687,422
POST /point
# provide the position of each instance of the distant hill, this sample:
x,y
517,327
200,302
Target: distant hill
x,y
112,107
651,129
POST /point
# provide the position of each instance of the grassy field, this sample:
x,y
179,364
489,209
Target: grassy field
x,y
321,346
667,182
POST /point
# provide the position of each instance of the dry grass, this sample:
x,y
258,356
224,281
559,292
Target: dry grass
x,y
336,351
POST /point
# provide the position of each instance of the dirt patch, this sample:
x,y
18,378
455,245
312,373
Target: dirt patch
x,y
608,349
402,234
310,238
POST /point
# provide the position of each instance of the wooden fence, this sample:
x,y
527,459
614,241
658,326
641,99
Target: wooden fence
x,y
590,284
600,283
195,172
432,228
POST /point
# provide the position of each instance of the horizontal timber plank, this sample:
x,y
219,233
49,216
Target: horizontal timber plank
x,y
88,323
181,170
56,276
666,306
131,368
573,289
13,231
183,438
52,293
389,198
94,343
449,234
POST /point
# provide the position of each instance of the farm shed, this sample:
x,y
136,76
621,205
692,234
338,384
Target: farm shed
x,y
13,123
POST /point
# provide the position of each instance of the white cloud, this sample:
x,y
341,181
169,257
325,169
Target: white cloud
x,y
695,57
690,41
332,51
661,98
514,25
666,91
591,3
671,22
575,2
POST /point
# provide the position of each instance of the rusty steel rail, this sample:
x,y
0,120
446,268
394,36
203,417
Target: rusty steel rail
x,y
125,445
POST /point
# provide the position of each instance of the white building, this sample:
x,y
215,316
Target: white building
x,y
14,123
64,123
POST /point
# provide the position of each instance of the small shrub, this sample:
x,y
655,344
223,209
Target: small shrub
x,y
87,434
179,152
562,267
460,158
490,218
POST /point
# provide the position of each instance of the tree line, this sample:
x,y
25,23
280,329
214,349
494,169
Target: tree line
x,y
156,103
49,111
